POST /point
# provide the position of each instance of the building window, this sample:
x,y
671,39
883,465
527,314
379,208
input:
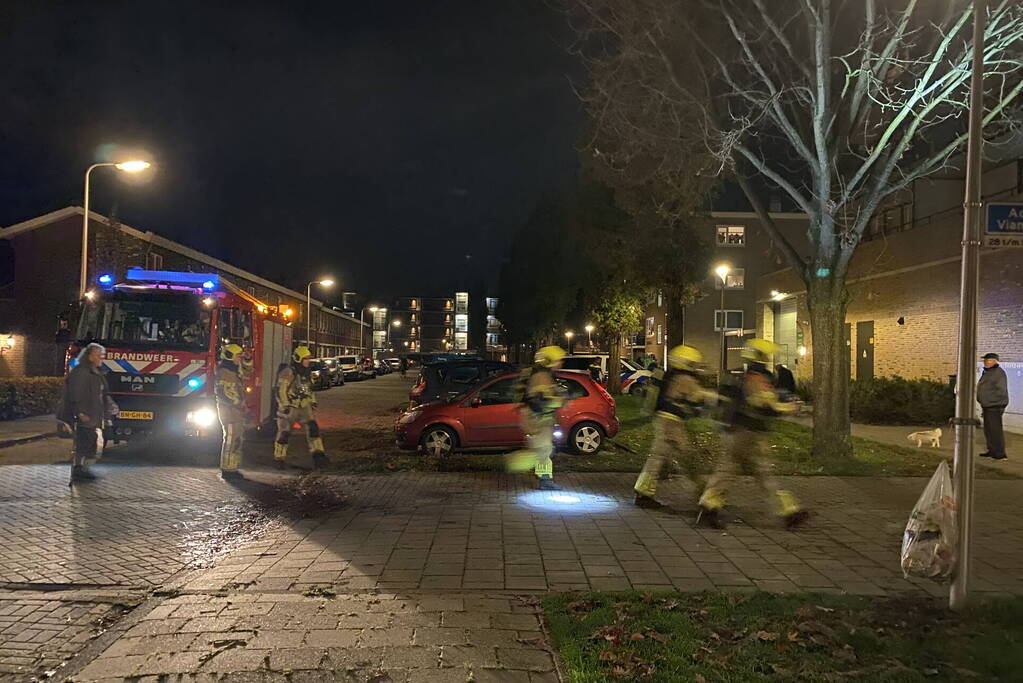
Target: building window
x,y
461,323
733,320
731,236
413,304
491,339
492,303
736,279
154,261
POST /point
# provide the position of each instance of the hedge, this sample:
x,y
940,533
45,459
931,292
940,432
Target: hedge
x,y
898,401
28,396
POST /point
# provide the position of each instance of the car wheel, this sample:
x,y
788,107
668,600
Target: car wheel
x,y
438,440
586,438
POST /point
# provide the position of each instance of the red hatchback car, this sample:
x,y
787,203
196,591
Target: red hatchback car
x,y
488,417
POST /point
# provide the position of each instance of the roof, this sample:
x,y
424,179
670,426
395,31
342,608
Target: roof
x,y
170,245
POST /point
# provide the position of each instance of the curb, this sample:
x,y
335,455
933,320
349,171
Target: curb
x,y
7,443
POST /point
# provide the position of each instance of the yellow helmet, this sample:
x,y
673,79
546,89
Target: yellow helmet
x,y
301,353
760,350
549,356
684,357
231,352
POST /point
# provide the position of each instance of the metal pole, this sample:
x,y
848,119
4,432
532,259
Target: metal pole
x,y
965,419
83,280
362,323
309,314
723,348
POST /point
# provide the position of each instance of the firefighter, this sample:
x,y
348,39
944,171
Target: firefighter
x,y
297,404
677,396
541,402
756,405
230,392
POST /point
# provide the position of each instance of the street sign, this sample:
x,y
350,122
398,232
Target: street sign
x,y
1004,225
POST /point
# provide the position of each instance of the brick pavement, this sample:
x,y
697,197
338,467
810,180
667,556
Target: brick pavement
x,y
492,532
40,631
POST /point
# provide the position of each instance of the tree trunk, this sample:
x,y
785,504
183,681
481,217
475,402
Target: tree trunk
x,y
614,376
827,301
674,317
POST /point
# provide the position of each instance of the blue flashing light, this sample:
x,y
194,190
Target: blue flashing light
x,y
823,272
72,363
193,383
106,279
204,280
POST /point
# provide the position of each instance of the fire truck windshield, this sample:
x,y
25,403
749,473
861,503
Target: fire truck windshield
x,y
172,320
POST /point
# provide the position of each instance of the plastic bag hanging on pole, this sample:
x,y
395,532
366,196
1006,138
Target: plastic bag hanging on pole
x,y
929,543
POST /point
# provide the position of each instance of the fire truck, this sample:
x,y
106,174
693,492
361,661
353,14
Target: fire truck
x,y
163,331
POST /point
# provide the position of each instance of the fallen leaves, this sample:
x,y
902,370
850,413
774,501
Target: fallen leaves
x,y
766,636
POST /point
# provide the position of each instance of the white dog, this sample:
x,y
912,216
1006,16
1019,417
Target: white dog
x,y
932,435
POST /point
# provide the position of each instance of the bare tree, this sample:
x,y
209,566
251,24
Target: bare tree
x,y
840,104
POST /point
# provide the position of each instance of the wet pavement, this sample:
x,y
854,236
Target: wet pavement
x,y
397,577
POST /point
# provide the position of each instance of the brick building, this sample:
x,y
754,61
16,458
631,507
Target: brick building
x,y
744,246
416,324
903,315
39,277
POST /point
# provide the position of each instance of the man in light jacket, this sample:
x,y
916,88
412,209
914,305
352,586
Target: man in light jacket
x,y
86,405
993,396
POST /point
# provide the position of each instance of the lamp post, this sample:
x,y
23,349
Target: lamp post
x,y
362,324
722,272
568,337
327,282
128,167
589,334
958,595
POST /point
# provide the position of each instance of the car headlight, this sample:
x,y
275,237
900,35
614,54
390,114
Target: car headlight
x,y
203,417
408,417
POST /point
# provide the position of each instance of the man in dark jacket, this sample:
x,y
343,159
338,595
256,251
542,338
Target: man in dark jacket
x,y
993,396
86,404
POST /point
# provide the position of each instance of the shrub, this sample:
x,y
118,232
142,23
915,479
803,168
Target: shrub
x,y
898,401
28,396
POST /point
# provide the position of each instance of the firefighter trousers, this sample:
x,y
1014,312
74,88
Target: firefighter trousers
x,y
671,444
231,450
746,455
539,430
301,414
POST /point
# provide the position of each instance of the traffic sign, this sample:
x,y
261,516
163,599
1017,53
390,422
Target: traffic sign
x,y
1004,225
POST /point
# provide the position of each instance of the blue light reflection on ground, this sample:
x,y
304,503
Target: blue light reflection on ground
x,y
567,502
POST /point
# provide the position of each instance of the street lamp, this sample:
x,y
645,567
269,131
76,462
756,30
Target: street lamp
x,y
965,420
589,334
722,272
326,282
362,324
133,166
568,336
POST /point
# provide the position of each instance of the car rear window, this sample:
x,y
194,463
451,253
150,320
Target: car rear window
x,y
577,363
347,360
572,388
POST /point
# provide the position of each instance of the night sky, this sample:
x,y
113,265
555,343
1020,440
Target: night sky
x,y
380,143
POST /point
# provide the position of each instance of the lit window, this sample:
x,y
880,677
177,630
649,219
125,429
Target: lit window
x,y
731,235
736,279
734,320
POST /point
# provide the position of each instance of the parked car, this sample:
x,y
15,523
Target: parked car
x,y
350,367
337,377
634,378
368,369
393,363
319,374
488,416
453,378
382,368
